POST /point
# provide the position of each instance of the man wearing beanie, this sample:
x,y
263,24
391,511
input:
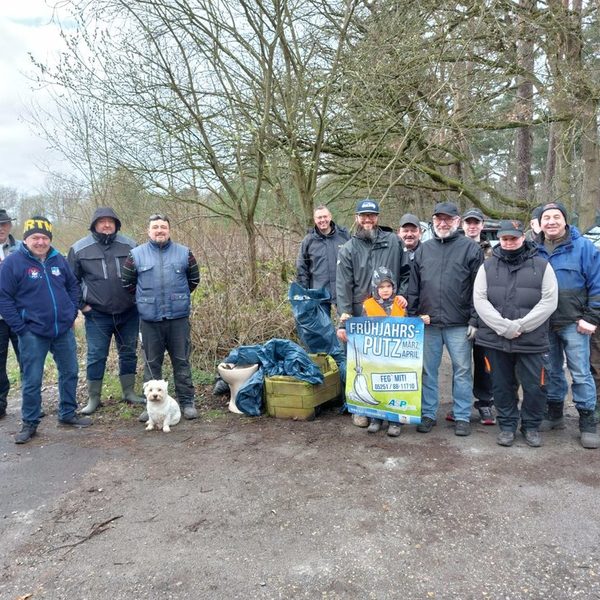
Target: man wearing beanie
x,y
576,263
39,296
97,261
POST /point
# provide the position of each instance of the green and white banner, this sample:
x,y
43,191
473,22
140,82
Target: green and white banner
x,y
384,365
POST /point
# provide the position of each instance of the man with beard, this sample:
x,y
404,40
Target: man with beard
x,y
410,234
371,247
440,290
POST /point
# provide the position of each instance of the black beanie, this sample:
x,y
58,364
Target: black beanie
x,y
37,224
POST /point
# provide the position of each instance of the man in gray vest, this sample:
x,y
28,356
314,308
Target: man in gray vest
x,y
162,275
109,310
8,245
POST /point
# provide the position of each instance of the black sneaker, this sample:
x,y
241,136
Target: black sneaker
x,y
532,437
487,415
426,425
505,438
462,428
26,433
76,421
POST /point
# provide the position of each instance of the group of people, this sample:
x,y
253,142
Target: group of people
x,y
123,291
508,315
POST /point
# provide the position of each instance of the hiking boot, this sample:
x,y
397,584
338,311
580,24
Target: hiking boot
x,y
553,417
486,415
26,433
394,429
374,425
450,416
221,388
360,420
93,403
505,438
189,412
532,437
462,428
128,394
143,418
587,427
76,421
426,425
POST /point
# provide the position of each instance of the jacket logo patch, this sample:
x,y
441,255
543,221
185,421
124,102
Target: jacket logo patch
x,y
34,273
55,271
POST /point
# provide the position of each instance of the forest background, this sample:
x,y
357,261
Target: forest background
x,y
237,118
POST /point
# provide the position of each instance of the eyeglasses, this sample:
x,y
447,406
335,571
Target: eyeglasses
x,y
158,217
446,219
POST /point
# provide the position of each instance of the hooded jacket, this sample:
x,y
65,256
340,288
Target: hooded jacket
x,y
376,306
357,259
514,297
441,280
317,258
576,263
97,261
40,297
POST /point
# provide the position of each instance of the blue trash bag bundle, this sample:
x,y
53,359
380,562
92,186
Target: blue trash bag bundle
x,y
313,323
275,357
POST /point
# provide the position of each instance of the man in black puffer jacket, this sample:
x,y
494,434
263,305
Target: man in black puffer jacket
x,y
514,295
108,309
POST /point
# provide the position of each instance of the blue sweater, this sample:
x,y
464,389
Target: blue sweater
x,y
38,297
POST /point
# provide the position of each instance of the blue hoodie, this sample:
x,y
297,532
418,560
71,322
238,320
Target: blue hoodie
x,y
38,297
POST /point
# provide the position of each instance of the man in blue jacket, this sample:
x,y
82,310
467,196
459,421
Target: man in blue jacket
x,y
576,263
162,275
39,296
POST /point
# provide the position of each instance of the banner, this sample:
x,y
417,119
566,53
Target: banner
x,y
384,364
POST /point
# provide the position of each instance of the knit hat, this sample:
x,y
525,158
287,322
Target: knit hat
x,y
37,224
554,206
380,275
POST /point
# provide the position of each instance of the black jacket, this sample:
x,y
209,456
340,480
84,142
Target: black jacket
x,y
96,261
441,280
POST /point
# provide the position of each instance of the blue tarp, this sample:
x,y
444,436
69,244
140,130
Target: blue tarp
x,y
275,357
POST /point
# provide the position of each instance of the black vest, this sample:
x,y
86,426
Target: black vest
x,y
514,289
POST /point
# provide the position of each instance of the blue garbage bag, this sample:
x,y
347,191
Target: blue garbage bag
x,y
313,323
275,357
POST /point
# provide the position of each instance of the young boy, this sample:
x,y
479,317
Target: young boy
x,y
383,303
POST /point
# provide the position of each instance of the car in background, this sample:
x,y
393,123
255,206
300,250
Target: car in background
x,y
593,234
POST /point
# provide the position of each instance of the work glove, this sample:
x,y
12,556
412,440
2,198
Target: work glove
x,y
471,332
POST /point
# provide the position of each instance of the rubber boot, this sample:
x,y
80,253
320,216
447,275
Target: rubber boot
x,y
553,417
127,383
94,392
587,427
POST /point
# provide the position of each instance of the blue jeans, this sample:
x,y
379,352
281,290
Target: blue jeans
x,y
99,330
459,349
34,349
576,348
7,336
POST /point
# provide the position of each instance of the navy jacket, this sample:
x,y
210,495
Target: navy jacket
x,y
38,297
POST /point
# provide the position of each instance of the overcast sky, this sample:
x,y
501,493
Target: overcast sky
x,y
25,27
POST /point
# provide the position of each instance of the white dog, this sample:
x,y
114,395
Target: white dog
x,y
163,411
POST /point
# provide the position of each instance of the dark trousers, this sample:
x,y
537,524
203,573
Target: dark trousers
x,y
482,380
7,335
508,370
172,336
595,361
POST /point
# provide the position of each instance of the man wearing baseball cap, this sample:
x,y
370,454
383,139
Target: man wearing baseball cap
x,y
410,234
440,290
8,245
372,246
39,299
576,262
515,293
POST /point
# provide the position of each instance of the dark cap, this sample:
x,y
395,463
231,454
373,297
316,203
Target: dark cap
x,y
4,218
409,219
474,213
536,213
446,208
554,206
367,206
514,228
